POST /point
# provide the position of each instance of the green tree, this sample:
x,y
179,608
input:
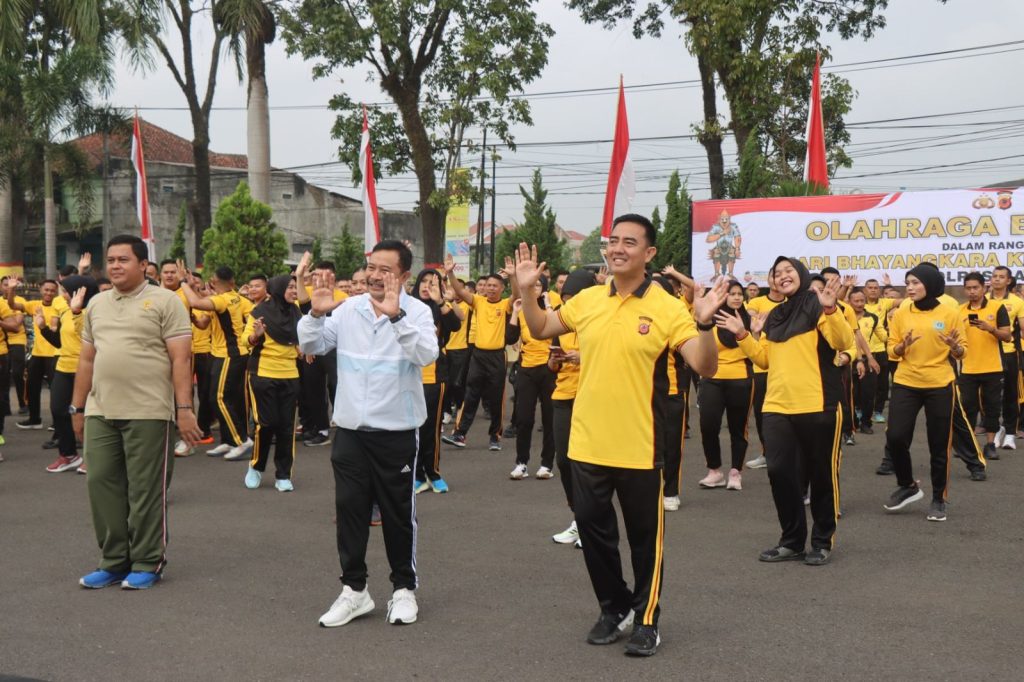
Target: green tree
x,y
445,64
761,53
755,177
316,251
178,244
347,253
539,227
244,238
674,236
590,249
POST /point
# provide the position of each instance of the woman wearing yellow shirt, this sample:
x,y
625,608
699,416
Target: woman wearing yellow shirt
x,y
923,335
271,335
66,334
730,392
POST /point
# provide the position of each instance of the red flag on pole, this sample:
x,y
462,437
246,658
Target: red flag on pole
x,y
816,165
371,221
621,192
141,192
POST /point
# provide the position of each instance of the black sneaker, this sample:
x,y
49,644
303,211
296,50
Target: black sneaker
x,y
644,641
903,496
456,439
990,451
317,439
978,475
609,627
848,439
866,429
495,445
51,444
937,511
885,468
29,424
818,557
780,553
510,432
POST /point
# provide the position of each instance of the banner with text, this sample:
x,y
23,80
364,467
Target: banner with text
x,y
865,235
456,233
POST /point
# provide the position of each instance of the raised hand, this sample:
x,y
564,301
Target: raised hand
x,y
258,327
706,303
303,267
183,273
602,274
731,322
527,267
449,264
322,297
886,280
77,300
449,294
850,281
757,323
510,267
435,290
392,291
669,270
39,318
829,294
517,306
14,282
84,263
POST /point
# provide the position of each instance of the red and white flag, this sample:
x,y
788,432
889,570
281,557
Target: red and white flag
x,y
371,221
815,164
141,192
621,192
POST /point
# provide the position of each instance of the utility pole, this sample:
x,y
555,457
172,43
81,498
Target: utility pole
x,y
494,199
480,216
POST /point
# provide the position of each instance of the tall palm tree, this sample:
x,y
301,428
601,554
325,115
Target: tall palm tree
x,y
252,21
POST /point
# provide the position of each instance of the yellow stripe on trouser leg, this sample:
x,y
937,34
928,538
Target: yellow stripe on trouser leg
x,y
221,381
834,460
659,552
256,431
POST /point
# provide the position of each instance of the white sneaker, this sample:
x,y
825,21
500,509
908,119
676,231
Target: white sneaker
x,y
239,452
544,473
758,462
579,544
1010,442
221,449
735,480
1000,434
402,609
671,503
446,419
182,449
714,479
519,473
349,604
567,536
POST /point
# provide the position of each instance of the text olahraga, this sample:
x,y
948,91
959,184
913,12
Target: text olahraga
x,y
911,228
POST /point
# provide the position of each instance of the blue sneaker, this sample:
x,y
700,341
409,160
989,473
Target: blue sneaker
x,y
439,486
99,579
140,580
878,418
420,486
284,485
253,478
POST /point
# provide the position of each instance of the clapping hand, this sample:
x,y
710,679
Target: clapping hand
x,y
392,291
706,303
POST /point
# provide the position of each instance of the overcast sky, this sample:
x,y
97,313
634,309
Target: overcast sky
x,y
583,56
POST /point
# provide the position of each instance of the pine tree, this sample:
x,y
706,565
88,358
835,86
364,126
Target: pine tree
x,y
244,238
347,253
674,235
316,251
178,243
539,226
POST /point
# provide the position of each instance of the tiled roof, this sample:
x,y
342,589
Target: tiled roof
x,y
158,144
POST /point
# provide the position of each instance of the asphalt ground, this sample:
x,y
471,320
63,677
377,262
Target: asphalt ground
x,y
250,572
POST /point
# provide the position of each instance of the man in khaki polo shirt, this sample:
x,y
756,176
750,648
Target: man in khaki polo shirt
x,y
134,379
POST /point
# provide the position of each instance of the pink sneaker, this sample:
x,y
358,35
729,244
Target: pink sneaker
x,y
714,479
735,480
63,463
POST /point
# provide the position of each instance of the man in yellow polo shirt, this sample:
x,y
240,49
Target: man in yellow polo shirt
x,y
1000,282
626,331
44,354
16,343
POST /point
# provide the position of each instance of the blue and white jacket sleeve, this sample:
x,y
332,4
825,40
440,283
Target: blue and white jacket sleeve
x,y
417,335
318,335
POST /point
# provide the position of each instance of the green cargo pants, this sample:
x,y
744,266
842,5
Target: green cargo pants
x,y
129,464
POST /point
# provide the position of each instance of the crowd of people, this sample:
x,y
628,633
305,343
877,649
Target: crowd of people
x,y
385,367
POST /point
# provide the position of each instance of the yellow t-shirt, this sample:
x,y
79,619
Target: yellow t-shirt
x,y
41,348
568,380
5,312
535,352
228,323
459,339
985,354
880,307
20,337
733,363
873,331
70,340
761,305
1015,309
620,412
268,358
489,322
925,364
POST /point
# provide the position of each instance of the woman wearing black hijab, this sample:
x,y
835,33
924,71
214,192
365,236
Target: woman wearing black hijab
x,y
798,346
429,289
730,392
272,381
66,335
924,336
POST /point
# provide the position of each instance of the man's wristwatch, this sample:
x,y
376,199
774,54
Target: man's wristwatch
x,y
399,316
76,410
705,327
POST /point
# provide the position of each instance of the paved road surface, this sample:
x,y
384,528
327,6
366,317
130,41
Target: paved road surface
x,y
251,571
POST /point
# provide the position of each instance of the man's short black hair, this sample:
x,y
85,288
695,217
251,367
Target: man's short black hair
x,y
496,276
649,231
975,277
168,261
258,276
225,274
1009,272
68,270
869,281
856,290
404,253
324,265
139,248
818,278
49,281
830,271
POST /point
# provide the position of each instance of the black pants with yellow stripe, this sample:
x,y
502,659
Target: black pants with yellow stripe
x,y
732,398
982,392
939,404
803,448
428,461
274,404
227,391
640,497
